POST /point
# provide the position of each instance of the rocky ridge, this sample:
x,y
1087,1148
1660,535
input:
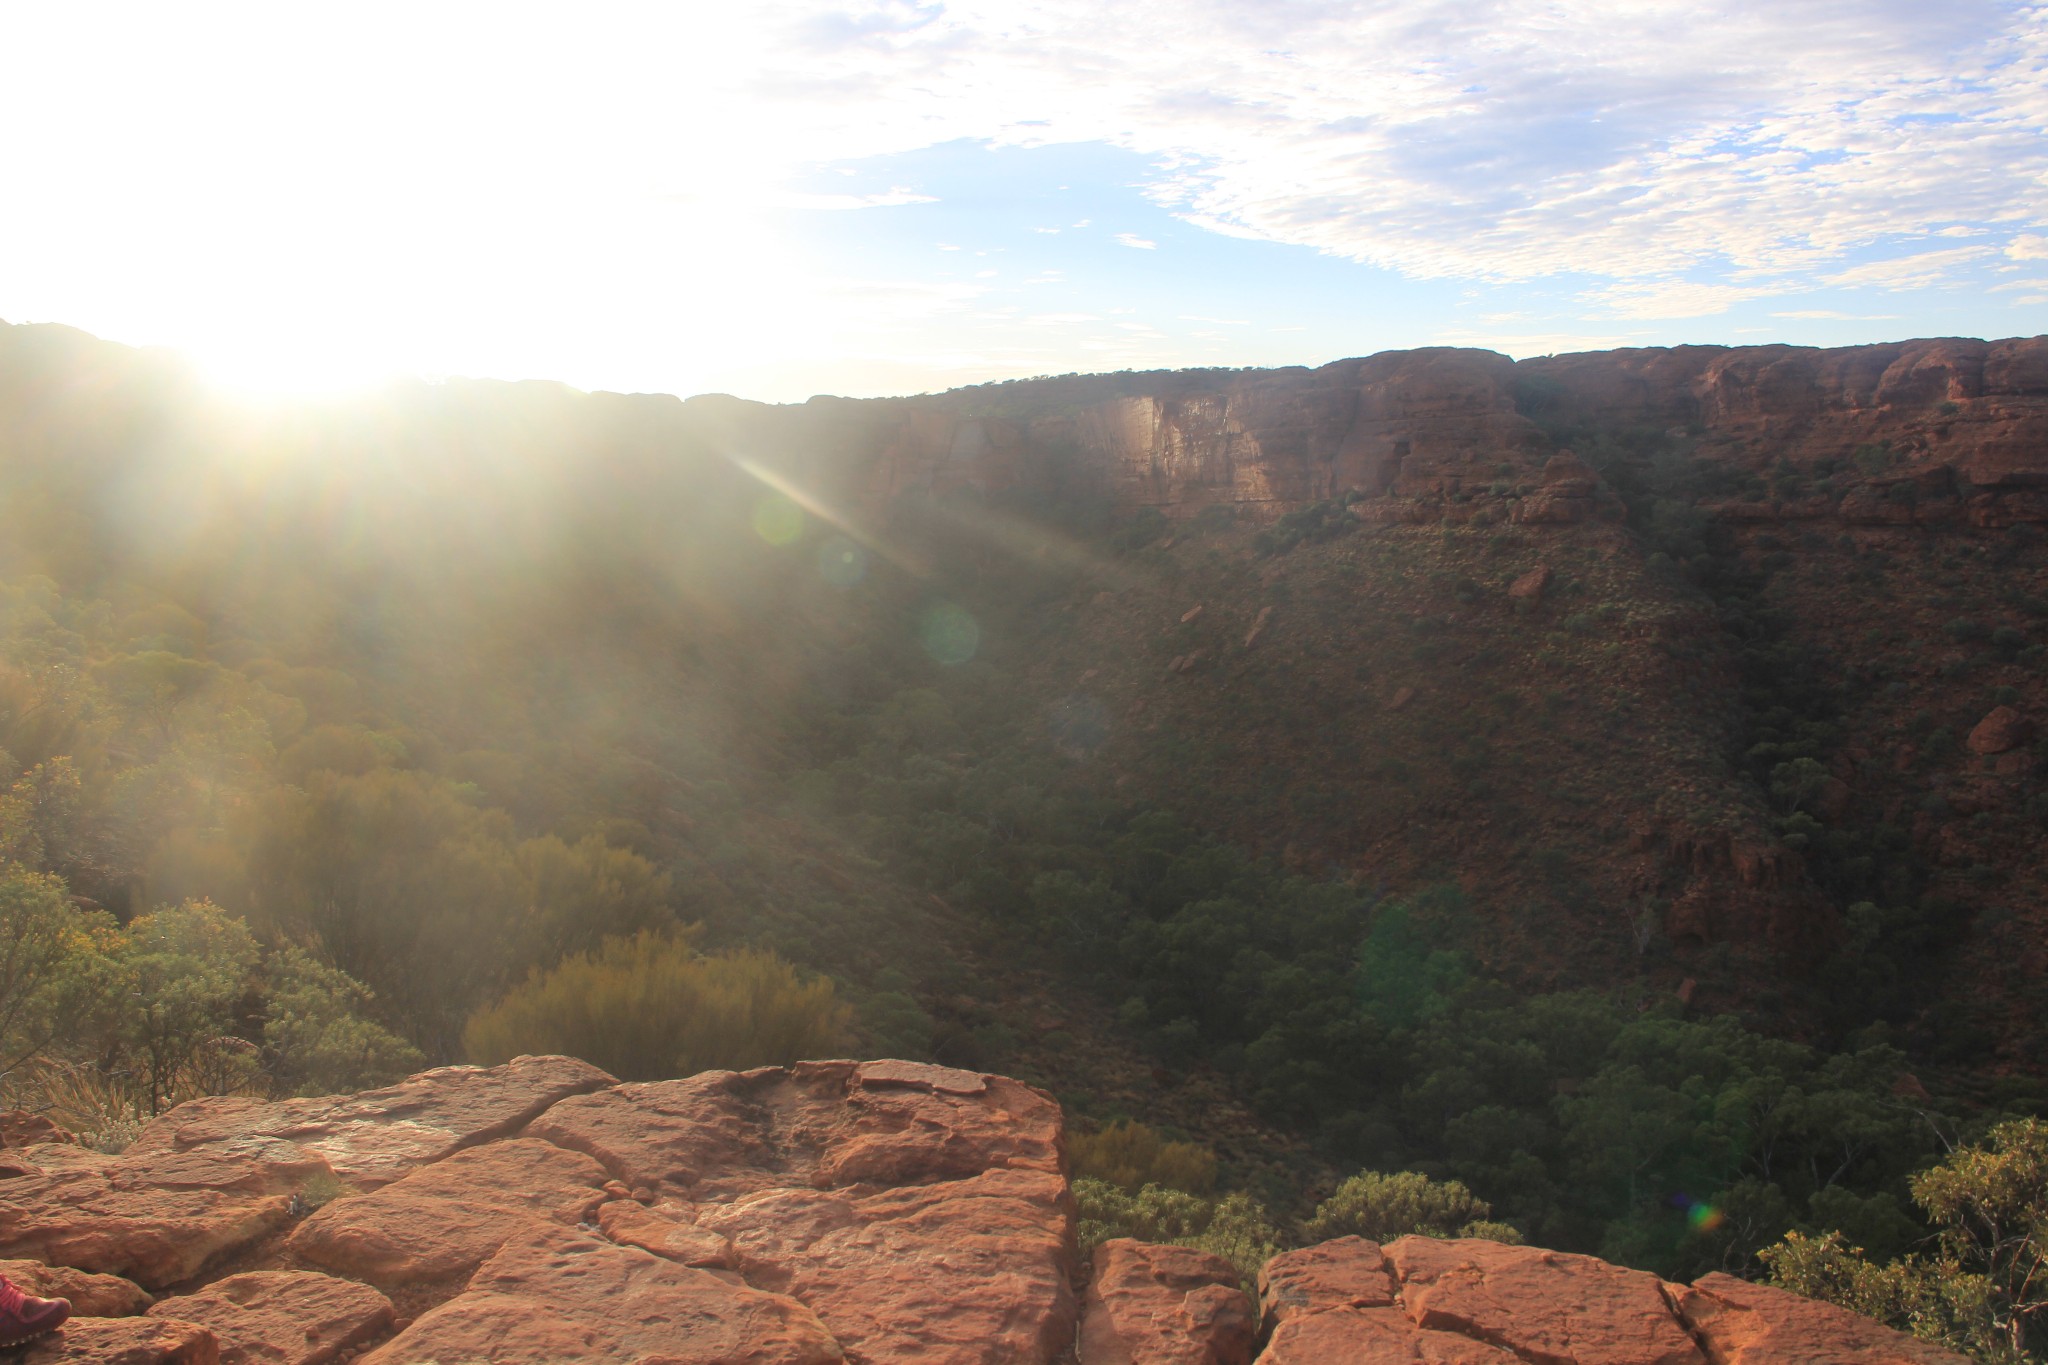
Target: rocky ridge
x,y
828,1211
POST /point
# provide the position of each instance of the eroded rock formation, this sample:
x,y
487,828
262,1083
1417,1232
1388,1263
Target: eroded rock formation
x,y
881,1213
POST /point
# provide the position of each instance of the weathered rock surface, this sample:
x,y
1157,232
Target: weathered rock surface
x,y
556,1295
1740,1323
124,1341
375,1137
448,1218
1164,1305
155,1217
1547,1307
19,1129
92,1296
880,1213
283,1317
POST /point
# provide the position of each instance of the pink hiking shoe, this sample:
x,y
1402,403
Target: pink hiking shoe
x,y
24,1317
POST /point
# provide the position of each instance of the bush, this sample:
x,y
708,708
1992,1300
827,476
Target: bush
x,y
1234,1227
651,1007
1985,1289
1381,1207
1131,1155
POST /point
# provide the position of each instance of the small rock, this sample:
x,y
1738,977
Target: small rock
x,y
1191,615
1686,990
666,1235
1401,699
1258,627
1530,585
2003,729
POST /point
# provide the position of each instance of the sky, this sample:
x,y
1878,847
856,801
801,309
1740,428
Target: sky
x,y
778,199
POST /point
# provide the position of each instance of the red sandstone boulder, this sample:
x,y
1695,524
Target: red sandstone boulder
x,y
92,1296
555,1295
448,1218
124,1341
1741,1323
2001,730
1164,1305
283,1317
1547,1307
1530,585
1349,1272
377,1136
156,1217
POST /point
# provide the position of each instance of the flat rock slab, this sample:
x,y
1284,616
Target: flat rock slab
x,y
965,1272
92,1296
1164,1305
283,1317
156,1217
375,1137
124,1341
724,1134
1374,1336
1547,1307
1349,1272
1741,1323
558,1296
668,1231
448,1218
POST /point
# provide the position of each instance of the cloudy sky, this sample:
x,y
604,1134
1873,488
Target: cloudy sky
x,y
779,198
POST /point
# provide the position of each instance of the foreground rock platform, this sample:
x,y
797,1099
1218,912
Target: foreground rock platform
x,y
877,1213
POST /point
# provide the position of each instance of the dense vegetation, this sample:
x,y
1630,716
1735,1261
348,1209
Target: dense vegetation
x,y
527,729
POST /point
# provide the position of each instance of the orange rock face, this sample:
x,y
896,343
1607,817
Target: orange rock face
x,y
555,1295
375,1137
2004,729
124,1341
880,1213
1741,1323
92,1296
448,1218
1164,1305
155,1217
282,1317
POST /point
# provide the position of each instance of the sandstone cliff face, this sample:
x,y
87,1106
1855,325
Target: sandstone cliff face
x,y
1444,433
875,1213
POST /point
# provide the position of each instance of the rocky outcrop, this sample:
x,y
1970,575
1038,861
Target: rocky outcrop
x,y
826,1212
1448,434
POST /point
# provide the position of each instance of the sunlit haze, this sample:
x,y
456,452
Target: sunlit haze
x,y
780,199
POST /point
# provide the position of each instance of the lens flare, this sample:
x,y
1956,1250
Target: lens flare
x,y
1704,1217
841,562
949,634
777,519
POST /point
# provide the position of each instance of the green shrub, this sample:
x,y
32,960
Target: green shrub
x,y
1132,1155
1235,1227
1380,1207
651,1006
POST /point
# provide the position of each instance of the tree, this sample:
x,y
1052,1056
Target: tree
x,y
187,967
1984,1289
55,963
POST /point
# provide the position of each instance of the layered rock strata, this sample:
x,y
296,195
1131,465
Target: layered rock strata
x,y
880,1212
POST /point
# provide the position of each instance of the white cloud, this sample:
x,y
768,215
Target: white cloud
x,y
1674,299
1908,272
2014,286
1833,315
1651,141
2028,247
1132,239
